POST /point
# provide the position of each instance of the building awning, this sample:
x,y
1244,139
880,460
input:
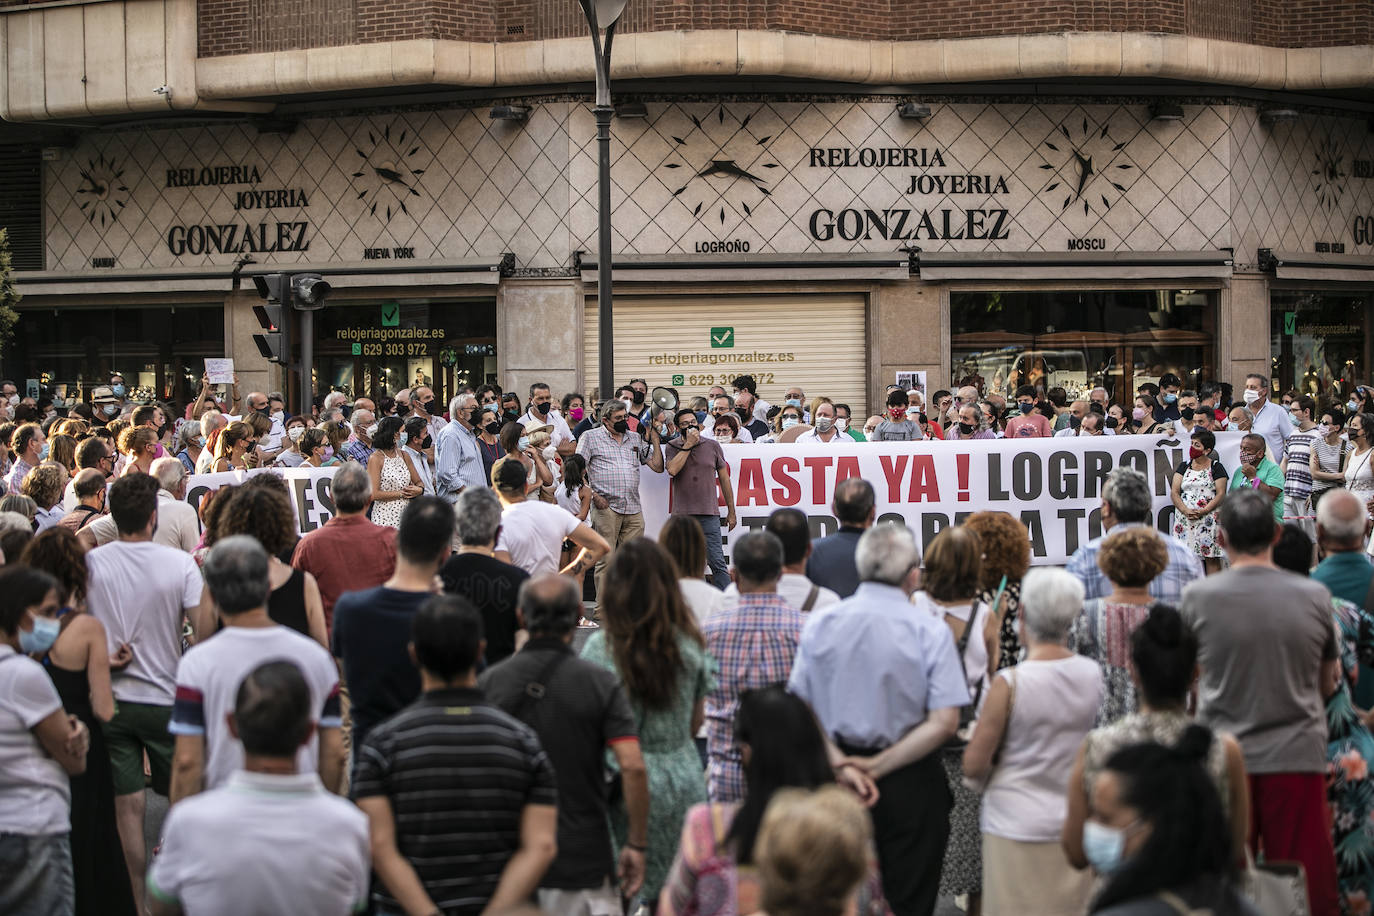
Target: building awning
x,y
342,275
1073,265
1330,268
894,265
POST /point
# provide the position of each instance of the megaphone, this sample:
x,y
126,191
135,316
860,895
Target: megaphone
x,y
665,398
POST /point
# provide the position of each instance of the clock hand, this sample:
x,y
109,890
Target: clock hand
x,y
1085,170
728,169
388,174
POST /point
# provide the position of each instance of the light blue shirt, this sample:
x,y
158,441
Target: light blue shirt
x,y
874,665
423,470
457,462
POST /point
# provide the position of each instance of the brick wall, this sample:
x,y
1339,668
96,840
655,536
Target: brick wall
x,y
238,26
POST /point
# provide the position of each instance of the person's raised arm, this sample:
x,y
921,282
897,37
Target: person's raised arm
x,y
201,399
391,867
538,847
594,547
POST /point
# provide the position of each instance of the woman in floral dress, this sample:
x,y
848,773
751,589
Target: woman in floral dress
x,y
1198,489
650,640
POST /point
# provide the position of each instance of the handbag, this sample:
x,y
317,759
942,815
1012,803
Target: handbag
x,y
1275,888
968,713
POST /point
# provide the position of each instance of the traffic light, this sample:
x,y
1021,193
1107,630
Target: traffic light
x,y
273,315
308,291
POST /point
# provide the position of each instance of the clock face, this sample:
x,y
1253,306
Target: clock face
x,y
1083,162
719,161
102,191
1328,174
384,179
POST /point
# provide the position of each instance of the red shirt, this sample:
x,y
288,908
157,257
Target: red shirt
x,y
348,554
1034,425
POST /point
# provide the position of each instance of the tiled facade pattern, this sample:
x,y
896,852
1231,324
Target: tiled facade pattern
x,y
453,183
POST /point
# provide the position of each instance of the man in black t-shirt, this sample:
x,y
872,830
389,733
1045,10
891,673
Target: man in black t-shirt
x,y
579,710
493,587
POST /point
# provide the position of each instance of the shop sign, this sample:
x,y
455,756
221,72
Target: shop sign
x,y
238,237
722,338
390,339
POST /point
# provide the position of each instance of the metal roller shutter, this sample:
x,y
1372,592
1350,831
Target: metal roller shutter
x,y
692,343
21,205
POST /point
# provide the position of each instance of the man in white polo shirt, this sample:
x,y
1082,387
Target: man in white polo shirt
x,y
236,575
271,839
541,411
532,532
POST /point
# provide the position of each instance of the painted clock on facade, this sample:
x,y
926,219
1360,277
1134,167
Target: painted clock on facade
x,y
1087,167
704,169
385,181
102,191
1328,175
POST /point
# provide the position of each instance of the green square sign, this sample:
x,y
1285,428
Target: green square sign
x,y
679,380
1290,323
391,314
722,338
357,349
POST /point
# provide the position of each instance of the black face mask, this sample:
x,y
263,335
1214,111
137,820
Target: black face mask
x,y
510,416
638,397
543,408
1110,423
1186,413
402,409
621,426
426,442
492,428
1075,422
966,429
744,415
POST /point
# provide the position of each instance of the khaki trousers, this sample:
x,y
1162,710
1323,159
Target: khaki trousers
x,y
616,529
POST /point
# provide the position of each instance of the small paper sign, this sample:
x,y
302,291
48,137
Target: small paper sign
x,y
220,371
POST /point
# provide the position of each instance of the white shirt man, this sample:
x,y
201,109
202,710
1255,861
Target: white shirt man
x,y
178,525
824,430
542,411
1271,420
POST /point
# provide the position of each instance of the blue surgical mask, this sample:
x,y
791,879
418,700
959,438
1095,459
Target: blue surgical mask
x,y
1352,405
118,390
403,438
523,444
794,402
1170,398
1025,406
700,415
43,452
42,636
1104,846
789,422
200,441
1293,418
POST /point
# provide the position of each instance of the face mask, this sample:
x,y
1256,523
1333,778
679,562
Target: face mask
x,y
1170,398
43,452
510,416
793,402
966,429
638,397
629,404
492,428
426,442
200,441
523,444
744,415
824,424
549,453
724,436
1138,414
1323,430
1103,846
700,415
576,414
1293,418
295,433
42,636
1025,407
1250,396
403,438
14,400
279,416
1187,413
542,409
110,410
841,423
789,422
896,413
1351,405
372,430
1196,451
622,426
328,452
1075,422
118,390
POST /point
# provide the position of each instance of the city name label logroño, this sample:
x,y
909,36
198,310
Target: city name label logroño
x,y
910,223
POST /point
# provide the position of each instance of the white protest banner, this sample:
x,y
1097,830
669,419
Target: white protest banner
x,y
1053,485
310,495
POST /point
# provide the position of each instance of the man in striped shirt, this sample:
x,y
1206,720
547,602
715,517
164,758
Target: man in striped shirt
x,y
465,789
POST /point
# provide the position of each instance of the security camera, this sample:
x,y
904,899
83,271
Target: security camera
x,y
163,90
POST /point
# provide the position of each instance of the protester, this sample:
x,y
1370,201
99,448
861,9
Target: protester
x,y
1266,647
1131,559
237,581
831,564
685,545
270,838
541,411
348,553
886,685
418,449
793,529
1199,486
896,427
812,852
785,419
27,443
41,745
532,532
579,714
782,748
140,448
476,838
1035,717
1127,502
1006,557
394,479
458,459
1257,472
44,485
62,450
313,445
1297,463
1330,450
473,572
488,428
1028,423
92,454
363,422
696,466
1268,420
826,427
371,627
517,447
141,591
747,401
653,645
1159,833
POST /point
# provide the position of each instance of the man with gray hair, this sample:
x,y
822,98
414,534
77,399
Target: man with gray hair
x,y
359,445
1128,503
1342,528
209,675
210,421
579,711
754,642
474,572
457,453
178,526
349,553
885,681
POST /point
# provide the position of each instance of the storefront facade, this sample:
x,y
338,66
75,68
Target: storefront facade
x,y
824,241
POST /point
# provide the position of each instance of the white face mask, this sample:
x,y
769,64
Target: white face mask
x,y
295,433
279,416
841,423
824,424
372,430
1250,396
550,453
724,437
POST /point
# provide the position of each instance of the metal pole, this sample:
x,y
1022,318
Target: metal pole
x,y
307,360
606,344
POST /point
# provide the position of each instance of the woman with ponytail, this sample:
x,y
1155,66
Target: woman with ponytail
x,y
1158,834
1164,667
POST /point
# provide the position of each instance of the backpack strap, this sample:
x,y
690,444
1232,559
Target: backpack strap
x,y
811,597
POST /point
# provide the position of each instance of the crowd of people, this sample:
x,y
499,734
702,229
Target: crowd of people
x,y
427,704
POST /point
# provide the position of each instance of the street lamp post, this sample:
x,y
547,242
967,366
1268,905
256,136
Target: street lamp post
x,y
603,14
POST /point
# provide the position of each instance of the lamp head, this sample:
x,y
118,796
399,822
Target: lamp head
x,y
608,11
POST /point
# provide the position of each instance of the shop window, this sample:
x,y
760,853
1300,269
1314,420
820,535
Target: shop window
x,y
160,350
1318,342
374,349
1081,339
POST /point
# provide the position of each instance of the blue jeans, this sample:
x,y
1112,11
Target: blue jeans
x,y
715,552
36,875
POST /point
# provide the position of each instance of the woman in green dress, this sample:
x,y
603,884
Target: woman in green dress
x,y
651,641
